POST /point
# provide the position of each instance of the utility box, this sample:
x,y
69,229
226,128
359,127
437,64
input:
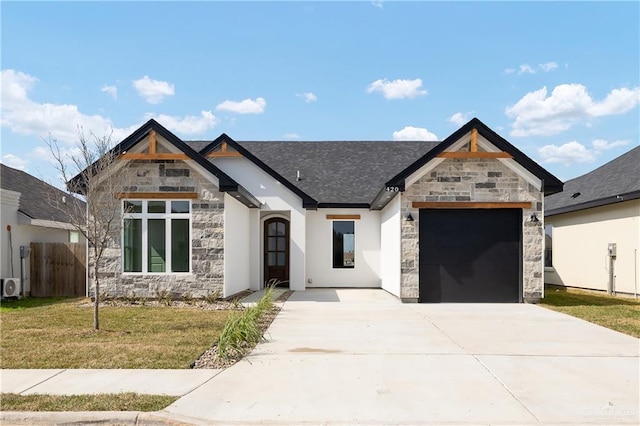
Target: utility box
x,y
612,249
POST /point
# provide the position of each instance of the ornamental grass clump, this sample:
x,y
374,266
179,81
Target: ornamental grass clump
x,y
242,329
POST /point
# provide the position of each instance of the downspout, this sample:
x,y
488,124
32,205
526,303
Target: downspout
x,y
10,249
635,273
23,254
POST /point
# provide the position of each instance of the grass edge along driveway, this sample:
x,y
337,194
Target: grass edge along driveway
x,y
617,313
125,401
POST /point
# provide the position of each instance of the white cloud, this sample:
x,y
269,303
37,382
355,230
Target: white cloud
x,y
618,101
602,145
307,96
575,152
539,114
110,90
410,133
153,91
526,69
292,136
247,106
459,118
377,3
24,116
570,152
398,89
189,125
548,66
14,161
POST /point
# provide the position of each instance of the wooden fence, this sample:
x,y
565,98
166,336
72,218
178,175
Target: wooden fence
x,y
58,269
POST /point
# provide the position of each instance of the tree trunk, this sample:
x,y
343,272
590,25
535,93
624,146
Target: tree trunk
x,y
96,304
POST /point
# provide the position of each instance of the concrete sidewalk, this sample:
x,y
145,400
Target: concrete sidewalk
x,y
85,382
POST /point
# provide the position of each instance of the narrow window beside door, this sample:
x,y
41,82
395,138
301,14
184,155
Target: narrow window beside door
x,y
344,244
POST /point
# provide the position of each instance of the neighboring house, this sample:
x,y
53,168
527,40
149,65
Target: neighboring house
x,y
32,211
426,221
596,210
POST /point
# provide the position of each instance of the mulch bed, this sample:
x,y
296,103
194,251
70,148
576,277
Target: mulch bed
x,y
210,358
229,303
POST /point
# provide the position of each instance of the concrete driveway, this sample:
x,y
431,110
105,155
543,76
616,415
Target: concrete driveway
x,y
362,357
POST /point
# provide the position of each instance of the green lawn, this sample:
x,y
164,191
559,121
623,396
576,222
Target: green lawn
x,y
615,312
57,333
100,402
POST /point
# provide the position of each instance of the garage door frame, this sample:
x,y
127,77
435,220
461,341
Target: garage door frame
x,y
514,207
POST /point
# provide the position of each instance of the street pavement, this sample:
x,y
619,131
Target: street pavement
x,y
359,356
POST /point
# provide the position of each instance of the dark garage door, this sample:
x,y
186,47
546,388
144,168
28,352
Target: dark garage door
x,y
470,255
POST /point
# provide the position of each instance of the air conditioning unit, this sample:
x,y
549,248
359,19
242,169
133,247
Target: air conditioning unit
x,y
11,287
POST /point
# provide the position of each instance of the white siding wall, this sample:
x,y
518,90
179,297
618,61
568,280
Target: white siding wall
x,y
366,272
390,246
21,235
580,241
276,197
237,275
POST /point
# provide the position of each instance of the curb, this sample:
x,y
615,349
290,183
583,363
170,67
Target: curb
x,y
86,418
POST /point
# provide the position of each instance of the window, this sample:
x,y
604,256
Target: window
x,y
548,252
156,236
344,244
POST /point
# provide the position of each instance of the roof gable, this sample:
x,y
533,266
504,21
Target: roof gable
x,y
616,181
222,144
151,128
550,184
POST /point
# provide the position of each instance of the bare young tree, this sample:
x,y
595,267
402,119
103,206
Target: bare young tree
x,y
90,171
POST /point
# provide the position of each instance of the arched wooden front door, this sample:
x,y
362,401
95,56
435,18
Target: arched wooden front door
x,y
276,249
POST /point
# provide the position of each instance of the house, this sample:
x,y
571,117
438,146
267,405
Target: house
x,y
593,228
32,211
454,221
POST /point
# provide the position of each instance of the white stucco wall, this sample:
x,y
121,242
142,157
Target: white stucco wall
x,y
580,241
237,243
320,271
277,198
390,223
21,235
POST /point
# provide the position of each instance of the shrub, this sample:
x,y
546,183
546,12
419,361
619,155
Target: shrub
x,y
164,296
242,330
211,297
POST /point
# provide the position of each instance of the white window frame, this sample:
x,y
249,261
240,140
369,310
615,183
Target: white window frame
x,y
167,216
355,230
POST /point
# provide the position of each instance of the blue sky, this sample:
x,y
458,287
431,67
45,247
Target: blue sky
x,y
560,81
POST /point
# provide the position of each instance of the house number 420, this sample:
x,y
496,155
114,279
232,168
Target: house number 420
x,y
392,189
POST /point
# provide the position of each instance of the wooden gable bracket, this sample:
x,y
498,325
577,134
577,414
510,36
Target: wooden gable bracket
x,y
224,152
474,140
473,150
153,154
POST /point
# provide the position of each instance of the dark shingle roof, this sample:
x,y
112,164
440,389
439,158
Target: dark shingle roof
x,y
339,172
604,185
35,195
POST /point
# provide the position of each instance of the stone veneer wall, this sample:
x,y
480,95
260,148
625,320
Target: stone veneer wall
x,y
473,180
207,235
